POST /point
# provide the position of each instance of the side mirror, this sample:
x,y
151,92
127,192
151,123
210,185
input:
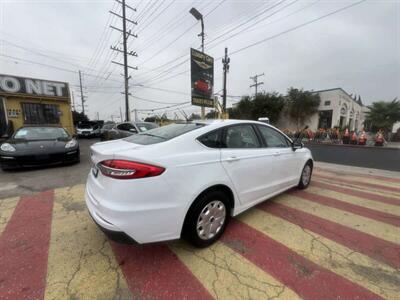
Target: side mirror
x,y
297,145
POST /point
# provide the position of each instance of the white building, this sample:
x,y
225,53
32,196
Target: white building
x,y
337,109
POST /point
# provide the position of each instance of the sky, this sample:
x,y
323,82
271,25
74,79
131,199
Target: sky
x,y
312,45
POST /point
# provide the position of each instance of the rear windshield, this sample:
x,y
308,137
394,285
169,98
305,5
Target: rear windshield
x,y
162,134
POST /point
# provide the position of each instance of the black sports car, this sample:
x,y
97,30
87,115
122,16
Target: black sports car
x,y
38,145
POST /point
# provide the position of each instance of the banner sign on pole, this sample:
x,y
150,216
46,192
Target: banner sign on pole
x,y
202,78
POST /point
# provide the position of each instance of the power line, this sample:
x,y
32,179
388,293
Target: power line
x,y
154,101
276,35
181,35
298,26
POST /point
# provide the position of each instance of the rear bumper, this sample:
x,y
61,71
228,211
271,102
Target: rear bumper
x,y
16,161
145,216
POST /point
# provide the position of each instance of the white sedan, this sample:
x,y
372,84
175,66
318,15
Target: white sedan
x,y
188,179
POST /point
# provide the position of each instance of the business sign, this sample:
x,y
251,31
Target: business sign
x,y
202,78
37,87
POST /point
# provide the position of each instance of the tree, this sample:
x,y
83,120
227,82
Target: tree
x,y
78,117
263,105
301,105
382,115
268,105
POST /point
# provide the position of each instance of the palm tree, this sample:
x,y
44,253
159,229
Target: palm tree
x,y
382,115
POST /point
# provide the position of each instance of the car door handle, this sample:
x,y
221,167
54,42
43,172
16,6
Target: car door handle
x,y
232,159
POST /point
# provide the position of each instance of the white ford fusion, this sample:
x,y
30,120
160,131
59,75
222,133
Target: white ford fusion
x,y
188,179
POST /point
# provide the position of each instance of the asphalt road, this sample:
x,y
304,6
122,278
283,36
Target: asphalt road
x,y
32,180
366,157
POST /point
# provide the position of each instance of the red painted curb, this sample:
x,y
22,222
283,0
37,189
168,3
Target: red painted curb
x,y
24,247
355,182
155,272
362,194
353,208
306,278
381,250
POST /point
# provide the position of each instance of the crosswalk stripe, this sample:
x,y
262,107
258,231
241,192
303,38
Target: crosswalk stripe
x,y
370,190
327,253
358,241
378,229
79,252
307,279
346,203
24,248
7,207
228,275
155,272
367,183
363,178
362,193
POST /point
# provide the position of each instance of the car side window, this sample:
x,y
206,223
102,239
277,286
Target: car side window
x,y
211,140
241,136
273,138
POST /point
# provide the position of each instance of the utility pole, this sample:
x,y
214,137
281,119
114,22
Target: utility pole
x,y
73,100
82,97
225,61
256,83
125,35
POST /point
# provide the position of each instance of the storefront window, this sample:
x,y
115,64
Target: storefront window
x,y
35,113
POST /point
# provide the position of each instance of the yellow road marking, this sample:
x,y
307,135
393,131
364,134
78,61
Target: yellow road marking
x,y
7,207
366,189
228,275
360,178
358,268
81,264
375,228
375,205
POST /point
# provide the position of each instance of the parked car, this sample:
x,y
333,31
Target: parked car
x,y
85,130
188,179
126,129
38,145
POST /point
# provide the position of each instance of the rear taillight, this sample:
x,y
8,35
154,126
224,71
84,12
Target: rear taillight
x,y
124,169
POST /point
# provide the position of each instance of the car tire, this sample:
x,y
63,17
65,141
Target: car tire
x,y
305,176
214,202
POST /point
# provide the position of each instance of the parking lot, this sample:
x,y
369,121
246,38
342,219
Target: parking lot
x,y
339,239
